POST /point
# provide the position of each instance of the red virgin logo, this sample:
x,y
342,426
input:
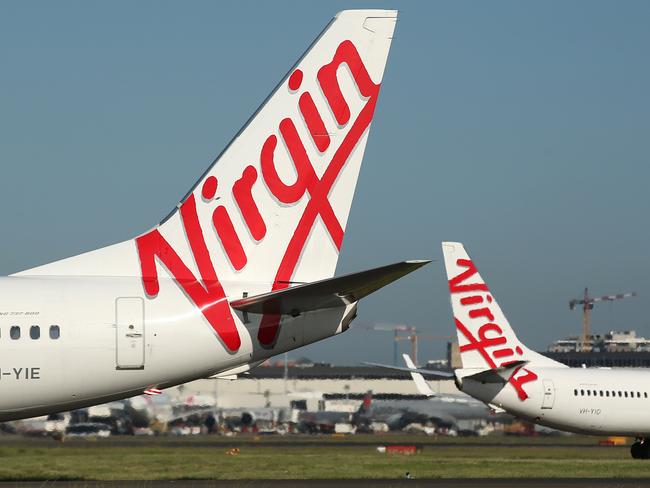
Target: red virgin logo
x,y
206,291
489,341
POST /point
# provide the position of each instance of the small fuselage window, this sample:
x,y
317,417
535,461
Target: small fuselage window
x,y
14,332
34,332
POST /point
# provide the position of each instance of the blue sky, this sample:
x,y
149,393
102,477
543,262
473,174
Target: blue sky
x,y
519,128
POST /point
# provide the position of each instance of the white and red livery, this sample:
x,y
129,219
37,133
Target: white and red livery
x,y
500,370
239,271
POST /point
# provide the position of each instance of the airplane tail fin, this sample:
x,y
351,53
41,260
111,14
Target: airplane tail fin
x,y
273,207
485,337
363,414
271,210
366,404
420,383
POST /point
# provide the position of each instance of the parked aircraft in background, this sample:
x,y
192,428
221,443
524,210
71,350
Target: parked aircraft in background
x,y
239,271
399,410
501,371
348,417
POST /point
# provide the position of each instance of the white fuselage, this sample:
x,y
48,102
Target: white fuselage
x,y
114,343
589,401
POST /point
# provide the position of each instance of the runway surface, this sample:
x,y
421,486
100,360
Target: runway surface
x,y
436,483
302,443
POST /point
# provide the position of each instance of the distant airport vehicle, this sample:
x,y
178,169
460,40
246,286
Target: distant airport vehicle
x,y
398,411
239,271
90,429
47,425
341,420
257,419
501,371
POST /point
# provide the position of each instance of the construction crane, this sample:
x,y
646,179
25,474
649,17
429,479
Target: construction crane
x,y
405,333
587,303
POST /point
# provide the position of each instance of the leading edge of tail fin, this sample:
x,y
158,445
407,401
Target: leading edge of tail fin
x,y
485,338
273,206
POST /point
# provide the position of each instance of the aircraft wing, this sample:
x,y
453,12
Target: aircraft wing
x,y
427,372
328,293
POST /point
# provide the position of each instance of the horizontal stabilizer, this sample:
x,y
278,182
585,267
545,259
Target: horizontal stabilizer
x,y
233,373
496,408
502,374
426,372
329,293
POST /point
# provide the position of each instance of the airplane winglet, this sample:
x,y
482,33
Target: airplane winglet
x,y
420,383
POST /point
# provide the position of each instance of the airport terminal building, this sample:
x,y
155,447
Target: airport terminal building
x,y
312,384
615,349
309,385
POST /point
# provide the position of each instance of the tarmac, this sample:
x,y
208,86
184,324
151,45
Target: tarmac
x,y
410,483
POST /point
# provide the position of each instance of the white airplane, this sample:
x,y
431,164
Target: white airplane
x,y
501,371
238,272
